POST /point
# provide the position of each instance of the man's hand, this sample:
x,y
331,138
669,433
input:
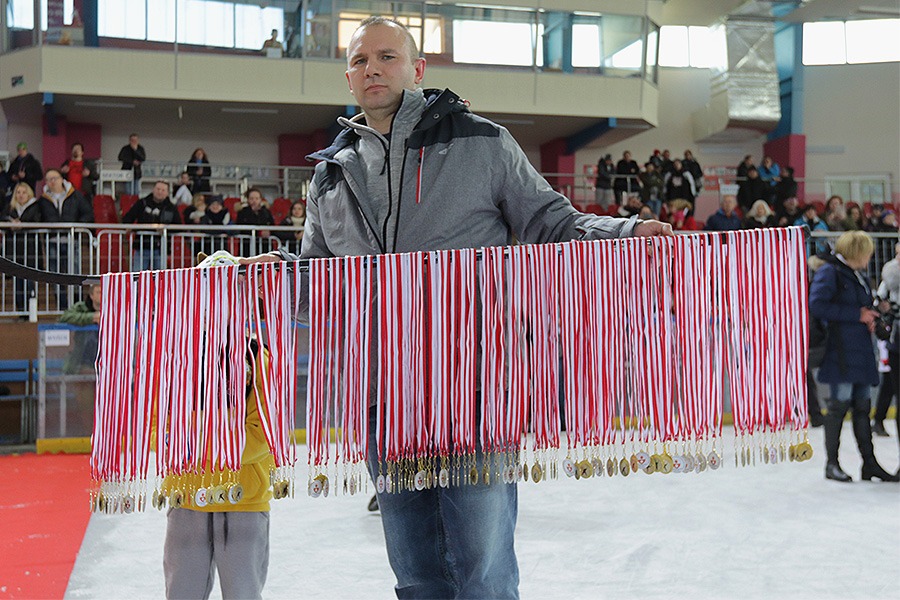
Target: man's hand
x,y
652,228
96,317
85,172
260,258
64,169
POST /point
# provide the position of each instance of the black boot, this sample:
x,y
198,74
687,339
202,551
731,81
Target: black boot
x,y
872,469
862,429
833,471
878,429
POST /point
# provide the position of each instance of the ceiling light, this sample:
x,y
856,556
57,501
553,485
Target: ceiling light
x,y
104,104
251,111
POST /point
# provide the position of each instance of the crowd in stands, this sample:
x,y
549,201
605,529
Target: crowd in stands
x,y
68,196
767,196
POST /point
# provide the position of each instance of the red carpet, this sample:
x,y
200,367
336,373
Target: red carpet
x,y
43,516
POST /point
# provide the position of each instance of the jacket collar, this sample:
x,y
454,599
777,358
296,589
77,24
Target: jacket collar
x,y
438,104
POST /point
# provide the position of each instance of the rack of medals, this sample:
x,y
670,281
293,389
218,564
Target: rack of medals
x,y
182,353
590,359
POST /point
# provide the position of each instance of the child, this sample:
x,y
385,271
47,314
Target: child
x,y
230,537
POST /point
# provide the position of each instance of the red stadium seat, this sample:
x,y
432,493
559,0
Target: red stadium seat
x,y
820,207
281,208
105,209
233,205
111,254
126,201
180,255
851,204
867,209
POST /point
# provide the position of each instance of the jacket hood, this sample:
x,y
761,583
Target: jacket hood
x,y
438,104
67,188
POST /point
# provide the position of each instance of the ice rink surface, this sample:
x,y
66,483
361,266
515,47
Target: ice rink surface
x,y
769,531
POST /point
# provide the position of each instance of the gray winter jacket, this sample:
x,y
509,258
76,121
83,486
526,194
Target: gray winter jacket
x,y
455,180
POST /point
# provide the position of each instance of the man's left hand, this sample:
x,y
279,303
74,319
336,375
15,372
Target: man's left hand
x,y
651,228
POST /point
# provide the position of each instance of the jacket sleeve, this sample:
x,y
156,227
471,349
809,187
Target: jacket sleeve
x,y
314,245
77,315
91,166
822,293
140,153
534,211
123,156
33,169
85,209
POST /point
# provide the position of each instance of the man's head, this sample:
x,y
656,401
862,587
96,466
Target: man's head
x,y
688,155
791,203
626,155
748,160
752,173
22,149
216,205
96,295
382,61
254,199
160,191
77,151
54,180
650,167
184,178
729,203
810,212
666,153
133,140
676,164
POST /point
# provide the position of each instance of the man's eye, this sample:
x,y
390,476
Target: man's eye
x,y
359,61
387,57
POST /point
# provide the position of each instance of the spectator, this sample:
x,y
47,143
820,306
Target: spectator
x,y
889,306
887,223
841,298
84,349
680,215
759,216
184,190
691,165
753,189
652,187
216,215
62,203
666,166
743,173
726,218
626,176
255,213
296,219
874,217
133,156
199,171
680,183
834,203
631,207
604,182
22,246
810,218
24,168
785,188
80,171
770,172
273,42
835,218
154,208
656,159
789,213
195,213
854,220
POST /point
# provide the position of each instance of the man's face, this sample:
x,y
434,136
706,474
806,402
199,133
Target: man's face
x,y
185,179
96,296
160,192
133,140
22,152
77,151
379,67
54,182
728,204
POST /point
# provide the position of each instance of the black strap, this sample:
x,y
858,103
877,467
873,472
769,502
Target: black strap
x,y
14,269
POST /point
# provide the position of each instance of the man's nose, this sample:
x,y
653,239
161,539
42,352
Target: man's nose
x,y
372,69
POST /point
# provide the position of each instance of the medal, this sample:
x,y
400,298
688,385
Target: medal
x,y
713,460
128,504
315,489
419,481
536,473
678,463
569,467
235,493
610,467
624,467
380,483
643,459
177,499
486,476
473,476
444,478
200,497
586,470
635,464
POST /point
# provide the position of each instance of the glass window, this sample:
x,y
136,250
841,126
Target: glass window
x,y
702,47
161,24
871,41
824,43
586,45
255,25
122,19
623,45
674,48
494,43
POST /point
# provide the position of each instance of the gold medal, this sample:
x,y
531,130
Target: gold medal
x,y
624,467
610,467
635,464
586,470
177,499
804,452
666,464
486,476
235,493
792,453
536,473
473,476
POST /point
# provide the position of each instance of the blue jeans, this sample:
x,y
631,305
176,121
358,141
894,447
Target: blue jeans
x,y
146,259
133,187
454,542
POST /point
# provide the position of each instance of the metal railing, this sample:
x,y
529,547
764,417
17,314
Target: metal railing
x,y
118,248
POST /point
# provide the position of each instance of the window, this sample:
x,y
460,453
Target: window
x,y
854,42
585,45
20,13
698,47
872,188
496,43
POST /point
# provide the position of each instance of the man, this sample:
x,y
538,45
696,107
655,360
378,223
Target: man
x,y
475,187
751,190
153,208
789,213
132,156
652,187
184,192
80,172
603,183
693,167
726,218
626,176
680,183
24,168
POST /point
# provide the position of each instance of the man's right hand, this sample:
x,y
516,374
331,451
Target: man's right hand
x,y
260,258
867,317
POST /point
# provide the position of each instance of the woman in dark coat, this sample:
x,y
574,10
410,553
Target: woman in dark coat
x,y
841,298
199,171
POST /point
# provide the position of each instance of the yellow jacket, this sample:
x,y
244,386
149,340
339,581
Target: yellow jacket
x,y
256,464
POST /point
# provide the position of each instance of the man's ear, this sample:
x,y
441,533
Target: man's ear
x,y
419,66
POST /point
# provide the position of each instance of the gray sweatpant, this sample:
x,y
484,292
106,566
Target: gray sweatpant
x,y
199,542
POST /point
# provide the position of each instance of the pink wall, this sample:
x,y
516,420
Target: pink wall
x,y
555,160
789,150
